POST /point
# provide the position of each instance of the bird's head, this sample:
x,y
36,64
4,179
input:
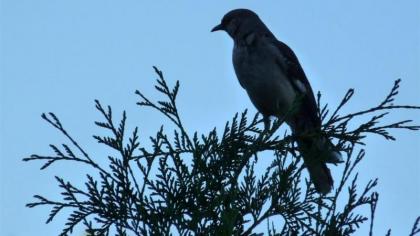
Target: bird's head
x,y
239,23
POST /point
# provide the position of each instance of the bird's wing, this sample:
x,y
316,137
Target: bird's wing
x,y
290,64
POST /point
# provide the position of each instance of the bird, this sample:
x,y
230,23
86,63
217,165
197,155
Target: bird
x,y
275,82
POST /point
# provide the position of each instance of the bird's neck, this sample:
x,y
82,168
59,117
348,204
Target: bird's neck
x,y
251,38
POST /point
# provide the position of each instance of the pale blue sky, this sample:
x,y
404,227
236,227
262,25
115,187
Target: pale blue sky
x,y
61,55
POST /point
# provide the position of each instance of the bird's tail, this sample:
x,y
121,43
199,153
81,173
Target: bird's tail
x,y
316,153
320,176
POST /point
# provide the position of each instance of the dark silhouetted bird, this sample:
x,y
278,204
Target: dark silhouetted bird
x,y
270,73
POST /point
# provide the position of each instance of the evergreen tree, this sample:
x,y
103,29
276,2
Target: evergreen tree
x,y
207,184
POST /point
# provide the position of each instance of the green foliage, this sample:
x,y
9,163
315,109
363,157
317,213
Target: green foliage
x,y
208,184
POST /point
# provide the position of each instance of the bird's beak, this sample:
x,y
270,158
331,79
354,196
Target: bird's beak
x,y
217,27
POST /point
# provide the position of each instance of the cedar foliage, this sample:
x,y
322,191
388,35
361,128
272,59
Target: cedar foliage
x,y
207,184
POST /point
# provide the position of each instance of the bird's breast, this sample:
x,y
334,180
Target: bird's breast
x,y
263,79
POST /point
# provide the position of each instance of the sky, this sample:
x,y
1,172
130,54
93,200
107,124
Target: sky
x,y
58,56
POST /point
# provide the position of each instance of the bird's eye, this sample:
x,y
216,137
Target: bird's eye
x,y
225,21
